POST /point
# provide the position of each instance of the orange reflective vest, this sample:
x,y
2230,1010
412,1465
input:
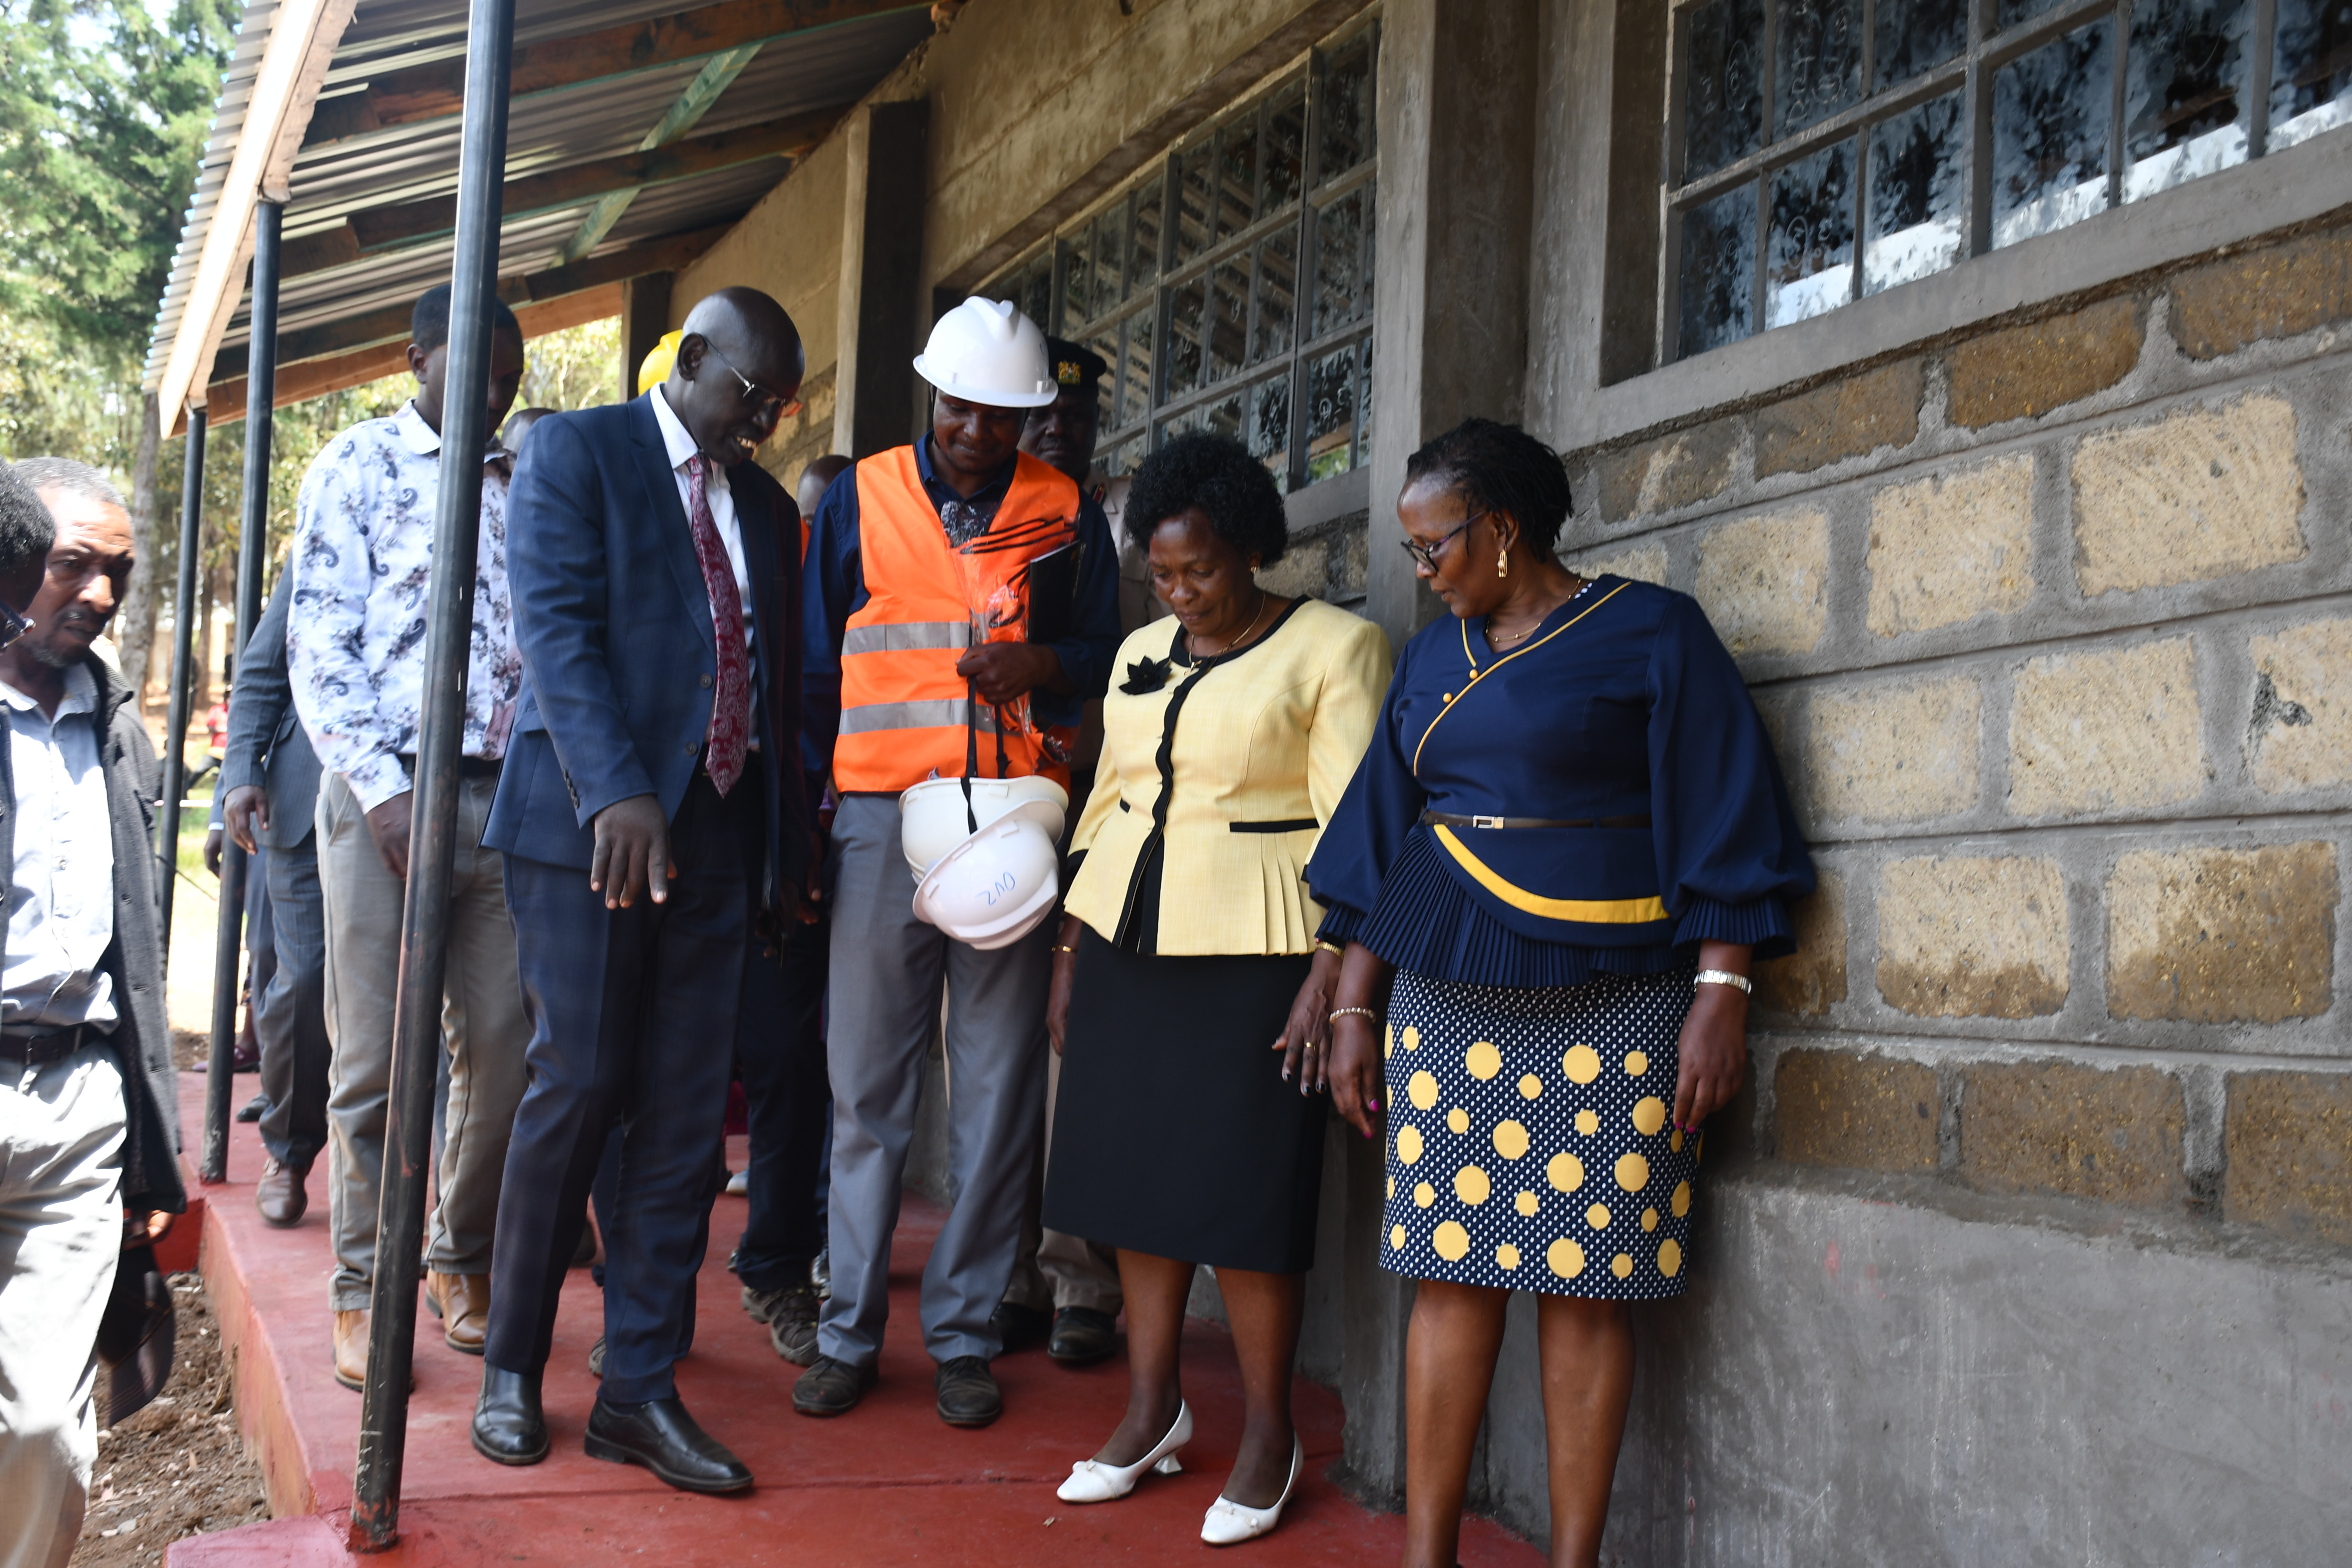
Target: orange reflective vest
x,y
906,713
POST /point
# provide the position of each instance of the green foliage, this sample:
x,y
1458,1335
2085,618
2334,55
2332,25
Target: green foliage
x,y
577,368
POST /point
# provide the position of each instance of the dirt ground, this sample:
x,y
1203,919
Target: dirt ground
x,y
178,1468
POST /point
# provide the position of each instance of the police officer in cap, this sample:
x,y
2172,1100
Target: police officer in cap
x,y
1062,434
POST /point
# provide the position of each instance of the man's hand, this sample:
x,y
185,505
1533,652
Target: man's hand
x,y
212,849
1001,671
632,852
245,808
389,825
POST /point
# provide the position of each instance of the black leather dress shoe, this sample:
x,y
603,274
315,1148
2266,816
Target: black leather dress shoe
x,y
660,1436
967,1392
508,1425
1018,1327
1082,1336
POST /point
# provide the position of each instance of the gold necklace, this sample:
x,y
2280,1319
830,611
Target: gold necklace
x,y
1264,598
1498,642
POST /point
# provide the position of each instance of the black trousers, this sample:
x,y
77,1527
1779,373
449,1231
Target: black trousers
x,y
780,1045
290,1004
632,1017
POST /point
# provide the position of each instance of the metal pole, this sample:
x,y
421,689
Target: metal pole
x,y
184,636
432,845
252,549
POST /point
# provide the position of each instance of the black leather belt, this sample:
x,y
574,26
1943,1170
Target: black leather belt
x,y
40,1050
467,767
1450,819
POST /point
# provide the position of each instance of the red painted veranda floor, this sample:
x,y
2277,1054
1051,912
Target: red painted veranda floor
x,y
886,1484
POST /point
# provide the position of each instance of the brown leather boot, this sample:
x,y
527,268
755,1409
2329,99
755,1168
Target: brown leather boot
x,y
352,1348
280,1195
463,1302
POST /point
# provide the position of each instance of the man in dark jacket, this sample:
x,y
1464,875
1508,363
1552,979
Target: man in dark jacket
x,y
270,785
89,1119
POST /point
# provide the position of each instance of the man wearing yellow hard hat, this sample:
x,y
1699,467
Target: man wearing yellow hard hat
x,y
962,605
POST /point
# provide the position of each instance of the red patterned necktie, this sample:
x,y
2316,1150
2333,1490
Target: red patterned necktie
x,y
730,702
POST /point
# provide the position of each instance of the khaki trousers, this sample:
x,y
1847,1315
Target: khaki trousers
x,y
482,1027
61,1128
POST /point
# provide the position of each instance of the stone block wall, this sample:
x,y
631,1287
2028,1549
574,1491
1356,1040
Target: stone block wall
x,y
2053,626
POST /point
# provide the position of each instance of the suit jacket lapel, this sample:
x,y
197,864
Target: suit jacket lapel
x,y
674,536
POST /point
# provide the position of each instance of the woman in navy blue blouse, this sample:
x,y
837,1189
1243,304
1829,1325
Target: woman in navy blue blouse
x,y
1551,874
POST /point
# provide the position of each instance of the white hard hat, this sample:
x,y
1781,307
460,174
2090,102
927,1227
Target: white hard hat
x,y
933,818
994,888
984,350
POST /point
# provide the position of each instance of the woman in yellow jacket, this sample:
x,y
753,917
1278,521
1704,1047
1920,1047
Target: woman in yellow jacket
x,y
1189,1000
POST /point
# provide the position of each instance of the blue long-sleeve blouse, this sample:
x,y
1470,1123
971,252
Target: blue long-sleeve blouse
x,y
1623,719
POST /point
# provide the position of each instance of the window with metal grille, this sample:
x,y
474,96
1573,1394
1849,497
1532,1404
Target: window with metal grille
x,y
1229,286
1819,151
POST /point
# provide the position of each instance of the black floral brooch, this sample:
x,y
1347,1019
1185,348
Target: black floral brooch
x,y
1146,676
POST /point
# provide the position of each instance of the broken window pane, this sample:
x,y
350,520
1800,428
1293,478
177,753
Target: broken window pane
x,y
1228,318
2049,114
1817,64
1331,414
1236,176
1078,278
1278,289
1269,427
1723,95
1346,120
2185,77
1915,36
1184,303
1135,375
2311,70
1809,262
1285,147
1919,188
1150,213
1339,240
1195,200
1718,272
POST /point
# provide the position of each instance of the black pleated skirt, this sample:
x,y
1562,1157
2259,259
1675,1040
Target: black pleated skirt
x,y
1173,1132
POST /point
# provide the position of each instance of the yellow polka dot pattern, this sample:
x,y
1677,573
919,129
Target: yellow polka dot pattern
x,y
1475,1064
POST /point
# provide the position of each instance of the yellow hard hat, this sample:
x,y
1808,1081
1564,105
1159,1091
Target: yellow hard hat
x,y
656,369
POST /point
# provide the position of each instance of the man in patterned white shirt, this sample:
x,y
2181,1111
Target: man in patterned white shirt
x,y
356,655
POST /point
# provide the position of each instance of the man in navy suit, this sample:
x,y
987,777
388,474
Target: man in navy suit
x,y
651,813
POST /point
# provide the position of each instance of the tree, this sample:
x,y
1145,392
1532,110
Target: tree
x,y
104,108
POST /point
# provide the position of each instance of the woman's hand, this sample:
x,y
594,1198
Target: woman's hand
x,y
1066,970
1714,1041
1354,1070
1306,1039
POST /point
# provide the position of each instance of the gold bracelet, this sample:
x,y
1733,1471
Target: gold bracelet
x,y
1339,1013
1322,946
1059,948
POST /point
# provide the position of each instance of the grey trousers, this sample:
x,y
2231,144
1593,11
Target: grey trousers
x,y
887,968
290,1015
1056,1269
482,1027
61,1128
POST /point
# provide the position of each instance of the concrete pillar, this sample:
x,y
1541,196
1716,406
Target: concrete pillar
x,y
1457,102
882,323
1457,110
644,318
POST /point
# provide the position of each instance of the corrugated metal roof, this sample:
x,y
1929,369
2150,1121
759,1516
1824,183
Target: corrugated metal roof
x,y
822,67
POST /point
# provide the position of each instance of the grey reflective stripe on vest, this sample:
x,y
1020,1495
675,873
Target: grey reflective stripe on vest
x,y
940,713
903,636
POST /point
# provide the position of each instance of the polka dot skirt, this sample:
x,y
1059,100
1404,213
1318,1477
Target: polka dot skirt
x,y
1529,1144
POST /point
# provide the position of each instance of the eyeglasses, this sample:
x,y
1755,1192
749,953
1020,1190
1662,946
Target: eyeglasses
x,y
12,626
766,404
1427,553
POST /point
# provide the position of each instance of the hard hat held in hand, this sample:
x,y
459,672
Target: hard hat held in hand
x,y
984,350
1000,883
932,818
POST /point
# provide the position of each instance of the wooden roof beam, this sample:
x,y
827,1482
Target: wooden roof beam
x,y
437,91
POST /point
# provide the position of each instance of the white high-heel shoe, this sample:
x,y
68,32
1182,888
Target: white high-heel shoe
x,y
1229,1523
1091,1480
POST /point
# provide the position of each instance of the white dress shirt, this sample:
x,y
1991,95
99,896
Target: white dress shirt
x,y
363,525
681,449
61,904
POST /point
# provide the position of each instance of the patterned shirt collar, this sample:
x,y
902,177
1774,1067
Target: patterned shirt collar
x,y
965,518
